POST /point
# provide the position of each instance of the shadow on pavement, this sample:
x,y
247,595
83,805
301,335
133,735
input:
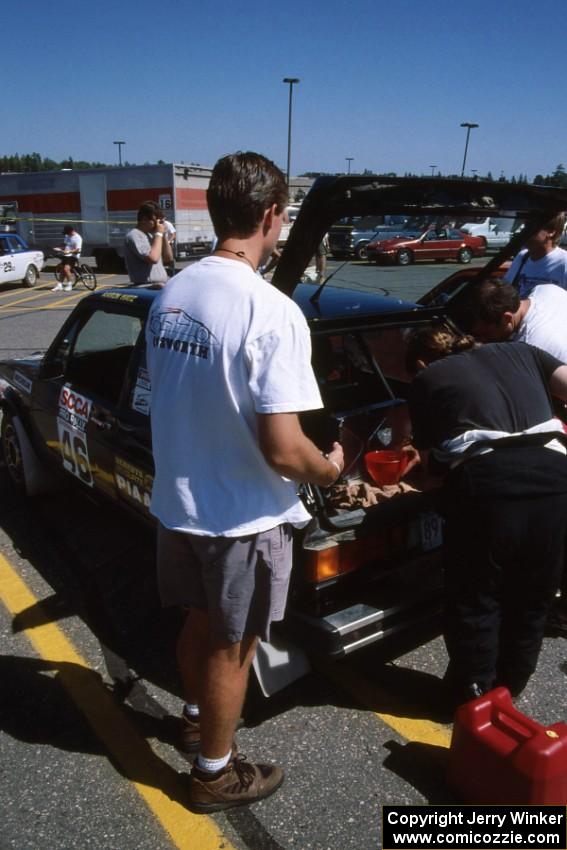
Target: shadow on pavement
x,y
423,766
68,706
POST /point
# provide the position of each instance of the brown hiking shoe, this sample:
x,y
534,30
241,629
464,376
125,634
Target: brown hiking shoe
x,y
238,784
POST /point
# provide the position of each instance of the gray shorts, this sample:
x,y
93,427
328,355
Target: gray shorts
x,y
242,582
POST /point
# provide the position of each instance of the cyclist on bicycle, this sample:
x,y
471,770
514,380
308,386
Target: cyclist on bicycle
x,y
71,248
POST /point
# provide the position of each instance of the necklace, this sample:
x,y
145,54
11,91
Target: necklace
x,y
241,256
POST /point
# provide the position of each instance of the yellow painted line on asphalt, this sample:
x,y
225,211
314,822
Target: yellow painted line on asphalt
x,y
418,730
73,298
159,785
45,287
36,295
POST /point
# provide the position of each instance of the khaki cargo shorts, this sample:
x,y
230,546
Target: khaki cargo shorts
x,y
242,582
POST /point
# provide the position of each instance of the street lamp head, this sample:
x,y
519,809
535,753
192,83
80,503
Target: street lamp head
x,y
119,151
291,80
469,124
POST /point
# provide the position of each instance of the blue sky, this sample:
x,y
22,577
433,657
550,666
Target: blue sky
x,y
385,83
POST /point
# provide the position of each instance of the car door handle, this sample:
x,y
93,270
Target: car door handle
x,y
128,429
103,424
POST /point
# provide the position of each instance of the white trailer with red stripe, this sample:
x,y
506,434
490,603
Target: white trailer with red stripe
x,y
102,204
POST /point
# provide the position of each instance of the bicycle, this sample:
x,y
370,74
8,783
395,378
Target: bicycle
x,y
82,273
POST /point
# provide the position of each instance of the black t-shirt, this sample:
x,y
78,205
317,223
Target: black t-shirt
x,y
500,387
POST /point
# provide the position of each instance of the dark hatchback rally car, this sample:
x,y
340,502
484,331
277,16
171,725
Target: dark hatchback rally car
x,y
432,244
368,565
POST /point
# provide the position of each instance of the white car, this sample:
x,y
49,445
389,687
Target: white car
x,y
496,232
17,262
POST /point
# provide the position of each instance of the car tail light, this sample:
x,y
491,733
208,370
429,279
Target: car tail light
x,y
347,556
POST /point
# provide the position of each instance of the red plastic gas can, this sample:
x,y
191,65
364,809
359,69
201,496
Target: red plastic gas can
x,y
500,756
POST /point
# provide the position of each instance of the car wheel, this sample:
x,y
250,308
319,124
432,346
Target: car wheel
x,y
403,257
465,255
360,251
30,277
12,451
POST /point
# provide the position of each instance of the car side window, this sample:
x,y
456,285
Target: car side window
x,y
98,360
14,245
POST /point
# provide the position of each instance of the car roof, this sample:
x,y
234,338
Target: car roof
x,y
332,198
124,295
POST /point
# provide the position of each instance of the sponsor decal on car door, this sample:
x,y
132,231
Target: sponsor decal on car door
x,y
72,418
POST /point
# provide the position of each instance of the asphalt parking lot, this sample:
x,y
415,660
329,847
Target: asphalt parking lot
x,y
90,694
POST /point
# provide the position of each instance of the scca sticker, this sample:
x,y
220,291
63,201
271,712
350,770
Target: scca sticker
x,y
74,409
72,417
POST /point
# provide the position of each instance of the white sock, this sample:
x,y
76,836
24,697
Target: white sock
x,y
213,765
191,710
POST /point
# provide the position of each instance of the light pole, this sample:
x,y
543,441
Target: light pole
x,y
469,127
433,167
119,151
291,81
349,159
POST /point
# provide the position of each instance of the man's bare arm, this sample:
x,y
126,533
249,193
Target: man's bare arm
x,y
288,451
558,383
167,252
158,249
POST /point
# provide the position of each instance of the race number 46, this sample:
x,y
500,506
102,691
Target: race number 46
x,y
75,454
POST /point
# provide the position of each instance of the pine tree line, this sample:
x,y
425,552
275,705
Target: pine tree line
x,y
35,162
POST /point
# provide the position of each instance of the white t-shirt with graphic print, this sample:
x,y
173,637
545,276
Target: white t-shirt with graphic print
x,y
223,345
549,269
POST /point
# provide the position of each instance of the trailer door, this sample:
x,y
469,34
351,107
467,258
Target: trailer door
x,y
94,225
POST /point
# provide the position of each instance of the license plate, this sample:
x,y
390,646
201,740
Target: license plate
x,y
431,530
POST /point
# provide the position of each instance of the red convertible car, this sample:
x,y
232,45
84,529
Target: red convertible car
x,y
432,244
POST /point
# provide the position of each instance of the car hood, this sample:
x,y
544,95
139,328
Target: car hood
x,y
335,303
390,243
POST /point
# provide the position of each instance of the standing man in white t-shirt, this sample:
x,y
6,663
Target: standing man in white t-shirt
x,y
71,249
541,261
229,360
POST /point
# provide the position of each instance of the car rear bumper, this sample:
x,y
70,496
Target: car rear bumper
x,y
383,613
